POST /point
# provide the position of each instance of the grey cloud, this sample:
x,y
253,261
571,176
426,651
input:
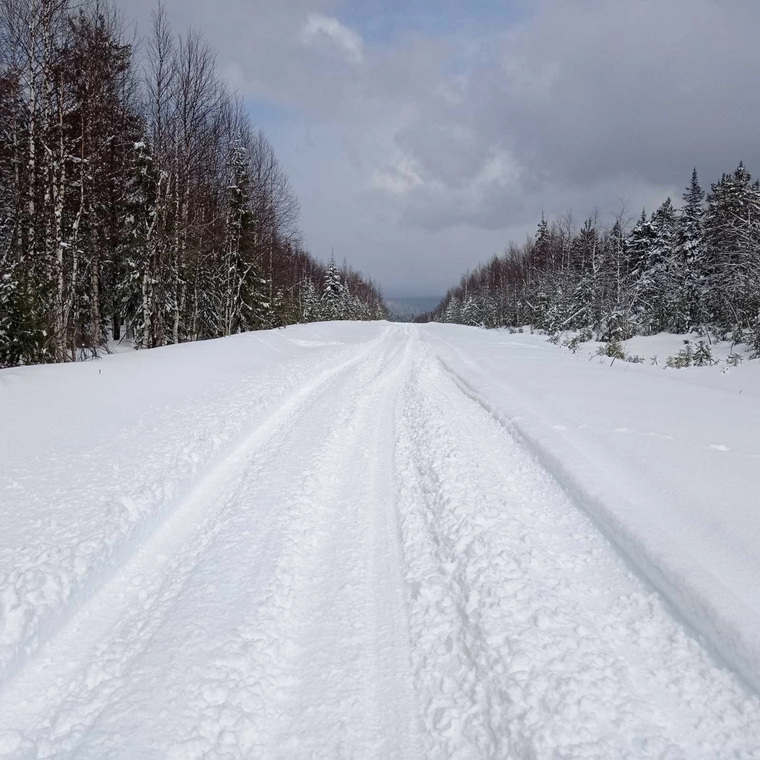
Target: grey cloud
x,y
646,87
587,93
426,151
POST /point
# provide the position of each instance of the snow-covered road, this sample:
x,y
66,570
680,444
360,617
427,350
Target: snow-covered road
x,y
355,558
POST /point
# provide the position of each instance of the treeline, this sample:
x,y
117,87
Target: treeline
x,y
135,195
692,269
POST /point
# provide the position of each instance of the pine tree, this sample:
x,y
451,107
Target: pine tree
x,y
584,307
139,293
470,314
639,245
731,241
244,291
542,251
657,283
691,257
310,303
453,312
333,297
22,332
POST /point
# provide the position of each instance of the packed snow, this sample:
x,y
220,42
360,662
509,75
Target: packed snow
x,y
371,540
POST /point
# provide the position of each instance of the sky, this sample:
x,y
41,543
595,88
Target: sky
x,y
422,136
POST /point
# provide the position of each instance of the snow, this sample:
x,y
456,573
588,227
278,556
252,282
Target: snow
x,y
372,540
655,350
666,462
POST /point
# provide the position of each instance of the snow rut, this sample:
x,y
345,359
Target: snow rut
x,y
263,619
530,639
103,504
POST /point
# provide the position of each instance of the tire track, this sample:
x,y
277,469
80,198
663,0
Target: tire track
x,y
257,603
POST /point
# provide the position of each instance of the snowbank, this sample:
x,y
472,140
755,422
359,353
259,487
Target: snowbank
x,y
667,462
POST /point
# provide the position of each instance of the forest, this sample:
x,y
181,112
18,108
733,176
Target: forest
x,y
691,269
137,198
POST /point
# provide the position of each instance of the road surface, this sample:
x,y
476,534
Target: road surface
x,y
377,568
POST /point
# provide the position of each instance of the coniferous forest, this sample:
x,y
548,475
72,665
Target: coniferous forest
x,y
692,269
136,197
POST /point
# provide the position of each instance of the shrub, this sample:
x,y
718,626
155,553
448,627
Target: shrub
x,y
702,356
612,348
684,358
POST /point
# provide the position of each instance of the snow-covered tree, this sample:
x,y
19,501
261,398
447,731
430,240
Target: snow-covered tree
x,y
732,238
657,281
640,242
334,301
246,305
140,202
310,303
690,251
675,270
453,312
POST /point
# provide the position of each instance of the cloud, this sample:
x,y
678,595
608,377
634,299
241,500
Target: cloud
x,y
593,89
320,29
398,178
417,149
583,103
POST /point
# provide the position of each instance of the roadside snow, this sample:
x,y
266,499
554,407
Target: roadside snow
x,y
667,462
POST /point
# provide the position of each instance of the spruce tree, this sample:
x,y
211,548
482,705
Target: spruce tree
x,y
640,242
658,281
453,311
332,293
310,303
243,290
690,250
731,241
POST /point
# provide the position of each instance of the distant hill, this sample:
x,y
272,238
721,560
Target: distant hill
x,y
406,309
